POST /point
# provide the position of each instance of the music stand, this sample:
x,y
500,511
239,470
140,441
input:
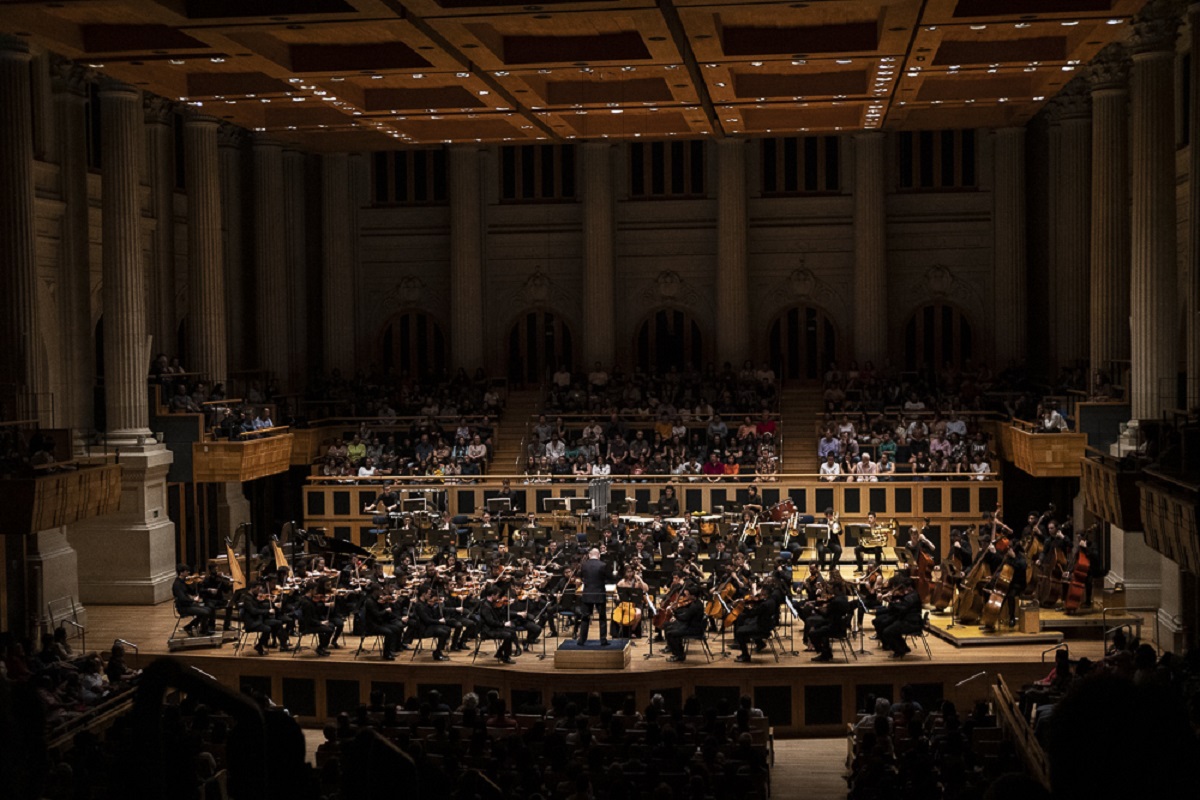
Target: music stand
x,y
414,505
498,506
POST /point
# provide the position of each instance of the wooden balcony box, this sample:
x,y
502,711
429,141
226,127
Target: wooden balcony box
x,y
59,498
241,460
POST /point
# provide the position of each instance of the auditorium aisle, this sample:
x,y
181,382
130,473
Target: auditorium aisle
x,y
515,424
799,408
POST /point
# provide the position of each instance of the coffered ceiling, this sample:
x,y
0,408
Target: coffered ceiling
x,y
371,74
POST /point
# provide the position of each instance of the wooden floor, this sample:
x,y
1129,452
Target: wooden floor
x,y
805,698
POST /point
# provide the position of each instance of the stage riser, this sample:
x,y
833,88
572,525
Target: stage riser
x,y
801,700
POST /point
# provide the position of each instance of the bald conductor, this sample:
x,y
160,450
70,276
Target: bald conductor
x,y
593,597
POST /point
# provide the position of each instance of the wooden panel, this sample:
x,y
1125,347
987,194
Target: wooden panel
x,y
1111,494
1044,455
223,461
62,498
1169,522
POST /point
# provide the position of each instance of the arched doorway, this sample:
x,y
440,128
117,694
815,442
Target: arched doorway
x,y
937,334
802,343
538,342
669,338
412,343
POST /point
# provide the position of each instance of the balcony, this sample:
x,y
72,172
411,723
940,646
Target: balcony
x,y
1111,492
1169,518
1042,455
224,461
41,502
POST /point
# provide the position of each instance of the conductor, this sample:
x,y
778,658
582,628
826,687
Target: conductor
x,y
594,597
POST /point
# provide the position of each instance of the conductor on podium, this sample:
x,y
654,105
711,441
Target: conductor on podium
x,y
593,598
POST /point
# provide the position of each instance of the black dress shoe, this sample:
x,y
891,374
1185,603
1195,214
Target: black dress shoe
x,y
505,660
579,642
604,643
440,657
676,659
389,656
321,651
743,659
823,658
258,648
189,629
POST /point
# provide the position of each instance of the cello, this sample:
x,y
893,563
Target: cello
x,y
969,604
1081,567
924,565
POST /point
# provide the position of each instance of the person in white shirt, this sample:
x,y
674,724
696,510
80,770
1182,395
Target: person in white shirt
x,y
1052,421
555,448
980,467
598,378
562,378
601,469
831,469
956,425
914,403
916,424
367,470
866,469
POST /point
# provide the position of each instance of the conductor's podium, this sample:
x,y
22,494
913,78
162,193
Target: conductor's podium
x,y
241,460
615,655
59,498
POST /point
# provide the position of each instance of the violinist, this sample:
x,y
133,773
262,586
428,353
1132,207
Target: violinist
x,y
753,624
903,617
782,573
312,621
593,597
256,618
834,619
189,604
380,620
831,547
689,621
213,591
430,622
495,624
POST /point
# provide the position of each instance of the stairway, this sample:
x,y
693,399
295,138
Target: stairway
x,y
800,407
515,424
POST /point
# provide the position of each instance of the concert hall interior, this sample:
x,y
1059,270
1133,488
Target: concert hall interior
x,y
599,398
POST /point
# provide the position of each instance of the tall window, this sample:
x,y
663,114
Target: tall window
x,y
541,172
666,169
800,165
938,334
409,177
934,160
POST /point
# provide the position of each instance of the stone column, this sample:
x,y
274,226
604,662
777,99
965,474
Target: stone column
x,y
733,322
1071,173
162,317
296,263
1109,77
466,259
75,281
270,260
239,351
870,250
126,557
19,370
599,338
1153,300
1192,289
338,283
206,327
1008,197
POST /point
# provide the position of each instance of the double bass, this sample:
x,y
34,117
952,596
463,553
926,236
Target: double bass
x,y
1081,567
998,592
968,606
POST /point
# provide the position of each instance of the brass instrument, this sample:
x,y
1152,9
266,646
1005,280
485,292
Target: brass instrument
x,y
878,535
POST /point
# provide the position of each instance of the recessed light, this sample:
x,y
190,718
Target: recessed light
x,y
756,63
979,27
845,60
1070,24
177,62
1115,21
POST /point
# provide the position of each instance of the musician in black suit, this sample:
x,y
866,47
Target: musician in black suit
x,y
494,624
592,574
312,620
689,621
380,620
256,618
754,623
831,622
189,604
431,622
904,617
831,546
668,503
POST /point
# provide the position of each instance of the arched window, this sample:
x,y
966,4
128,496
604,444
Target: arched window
x,y
538,342
412,343
669,338
802,343
937,334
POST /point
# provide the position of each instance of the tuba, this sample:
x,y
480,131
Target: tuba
x,y
878,535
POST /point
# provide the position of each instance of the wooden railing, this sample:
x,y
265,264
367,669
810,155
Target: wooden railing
x,y
1042,455
338,504
268,452
312,441
39,503
1018,730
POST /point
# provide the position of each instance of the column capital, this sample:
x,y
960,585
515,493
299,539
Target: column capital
x,y
194,118
1109,70
13,48
230,135
71,78
262,140
111,87
1072,102
158,110
1155,28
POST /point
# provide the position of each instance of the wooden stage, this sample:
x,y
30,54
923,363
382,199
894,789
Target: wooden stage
x,y
800,697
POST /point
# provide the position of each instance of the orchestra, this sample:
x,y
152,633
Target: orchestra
x,y
514,577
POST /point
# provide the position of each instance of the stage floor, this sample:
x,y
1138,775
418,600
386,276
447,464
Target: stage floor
x,y
801,697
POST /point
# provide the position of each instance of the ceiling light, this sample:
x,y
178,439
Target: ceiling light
x,y
979,27
618,111
1039,98
756,63
844,60
462,74
1021,25
337,80
418,76
1115,21
217,60
931,28
1068,68
483,92
177,62
722,85
1070,24
376,77
1002,100
628,69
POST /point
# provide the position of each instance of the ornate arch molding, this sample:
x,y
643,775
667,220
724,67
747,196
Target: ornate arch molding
x,y
538,292
802,286
939,284
410,294
668,290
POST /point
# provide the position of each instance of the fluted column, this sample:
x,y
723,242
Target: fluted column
x,y
296,261
1071,123
239,347
733,323
870,250
1192,290
18,265
1109,319
270,260
75,299
598,310
337,280
206,276
161,317
466,259
1153,314
126,345
1008,197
